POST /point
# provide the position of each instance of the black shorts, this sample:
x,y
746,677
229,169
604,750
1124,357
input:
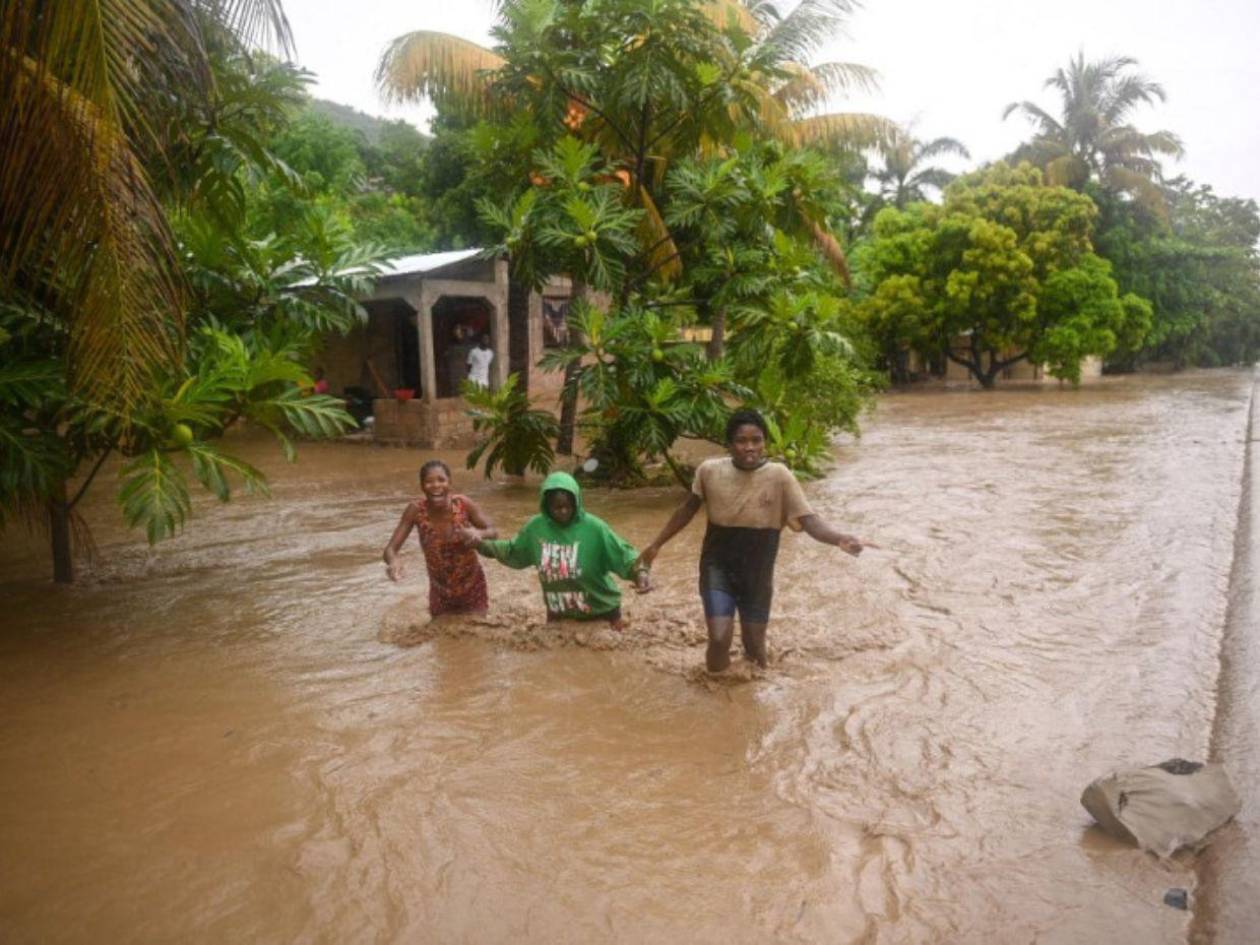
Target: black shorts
x,y
737,572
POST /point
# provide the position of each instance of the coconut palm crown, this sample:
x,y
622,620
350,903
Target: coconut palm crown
x,y
82,228
906,176
1092,138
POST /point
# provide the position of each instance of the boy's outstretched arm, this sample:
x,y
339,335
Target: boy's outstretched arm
x,y
517,552
819,530
677,522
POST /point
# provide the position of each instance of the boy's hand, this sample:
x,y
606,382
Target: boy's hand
x,y
849,544
395,570
643,581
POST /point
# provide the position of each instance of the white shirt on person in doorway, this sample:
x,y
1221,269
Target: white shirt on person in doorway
x,y
479,361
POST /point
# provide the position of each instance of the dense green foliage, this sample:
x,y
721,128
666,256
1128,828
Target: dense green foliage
x,y
1002,271
1197,265
515,437
249,306
373,187
648,150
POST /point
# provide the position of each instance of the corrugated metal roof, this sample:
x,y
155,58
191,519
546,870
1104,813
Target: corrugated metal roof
x,y
424,262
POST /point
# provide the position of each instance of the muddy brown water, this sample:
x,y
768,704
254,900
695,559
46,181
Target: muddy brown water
x,y
248,734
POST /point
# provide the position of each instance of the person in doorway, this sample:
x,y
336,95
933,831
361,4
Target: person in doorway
x,y
576,554
479,360
748,500
444,521
456,362
319,383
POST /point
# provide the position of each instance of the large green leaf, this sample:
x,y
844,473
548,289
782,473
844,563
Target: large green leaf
x,y
154,494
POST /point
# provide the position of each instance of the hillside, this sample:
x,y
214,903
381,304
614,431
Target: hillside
x,y
369,125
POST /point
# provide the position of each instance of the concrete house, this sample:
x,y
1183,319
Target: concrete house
x,y
424,314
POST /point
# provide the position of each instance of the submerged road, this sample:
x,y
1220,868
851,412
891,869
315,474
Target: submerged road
x,y
248,734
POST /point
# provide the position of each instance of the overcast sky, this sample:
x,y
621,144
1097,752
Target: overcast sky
x,y
949,67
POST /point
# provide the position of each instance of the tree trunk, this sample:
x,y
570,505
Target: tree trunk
x,y
569,394
568,410
518,332
59,533
717,341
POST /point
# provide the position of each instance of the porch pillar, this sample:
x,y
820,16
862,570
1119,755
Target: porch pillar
x,y
423,302
499,337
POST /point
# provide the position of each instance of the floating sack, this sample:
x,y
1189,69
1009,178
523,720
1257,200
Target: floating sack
x,y
1164,807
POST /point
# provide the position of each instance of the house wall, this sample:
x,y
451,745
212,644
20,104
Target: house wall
x,y
544,386
441,424
345,358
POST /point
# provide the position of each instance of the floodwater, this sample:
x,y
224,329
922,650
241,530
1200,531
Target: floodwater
x,y
249,735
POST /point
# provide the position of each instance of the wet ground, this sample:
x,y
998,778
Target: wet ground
x,y
249,734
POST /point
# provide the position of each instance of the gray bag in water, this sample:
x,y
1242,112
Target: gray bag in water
x,y
1165,807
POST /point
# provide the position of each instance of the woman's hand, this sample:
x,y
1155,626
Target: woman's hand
x,y
642,579
646,557
850,544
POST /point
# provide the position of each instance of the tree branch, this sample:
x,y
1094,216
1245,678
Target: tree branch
x,y
87,482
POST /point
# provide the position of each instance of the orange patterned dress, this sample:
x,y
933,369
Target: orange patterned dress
x,y
457,585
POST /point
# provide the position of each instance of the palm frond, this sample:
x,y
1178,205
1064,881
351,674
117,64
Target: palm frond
x,y
256,22
808,87
855,130
939,146
77,215
831,249
663,255
1065,170
1042,120
1140,185
801,32
430,65
731,14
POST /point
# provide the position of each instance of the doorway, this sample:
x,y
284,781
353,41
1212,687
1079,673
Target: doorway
x,y
458,321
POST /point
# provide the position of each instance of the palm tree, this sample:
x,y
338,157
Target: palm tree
x,y
903,178
650,83
82,230
86,253
1092,139
646,106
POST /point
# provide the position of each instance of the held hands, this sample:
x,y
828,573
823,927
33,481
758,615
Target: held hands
x,y
642,569
468,536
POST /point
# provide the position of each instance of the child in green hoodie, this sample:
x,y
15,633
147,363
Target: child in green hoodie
x,y
576,554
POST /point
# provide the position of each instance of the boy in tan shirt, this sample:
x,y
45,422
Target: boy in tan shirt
x,y
748,501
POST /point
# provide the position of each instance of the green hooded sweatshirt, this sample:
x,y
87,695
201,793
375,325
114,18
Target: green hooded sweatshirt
x,y
575,562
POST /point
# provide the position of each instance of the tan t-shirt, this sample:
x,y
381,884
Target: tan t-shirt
x,y
766,497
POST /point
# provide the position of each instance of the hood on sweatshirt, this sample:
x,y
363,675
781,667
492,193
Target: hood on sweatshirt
x,y
565,483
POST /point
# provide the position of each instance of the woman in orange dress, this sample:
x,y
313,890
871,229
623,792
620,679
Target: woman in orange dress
x,y
457,585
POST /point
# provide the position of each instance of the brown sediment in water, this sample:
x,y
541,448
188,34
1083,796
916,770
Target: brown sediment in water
x,y
249,734
664,635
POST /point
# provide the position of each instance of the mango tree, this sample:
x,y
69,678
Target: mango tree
x,y
1002,272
